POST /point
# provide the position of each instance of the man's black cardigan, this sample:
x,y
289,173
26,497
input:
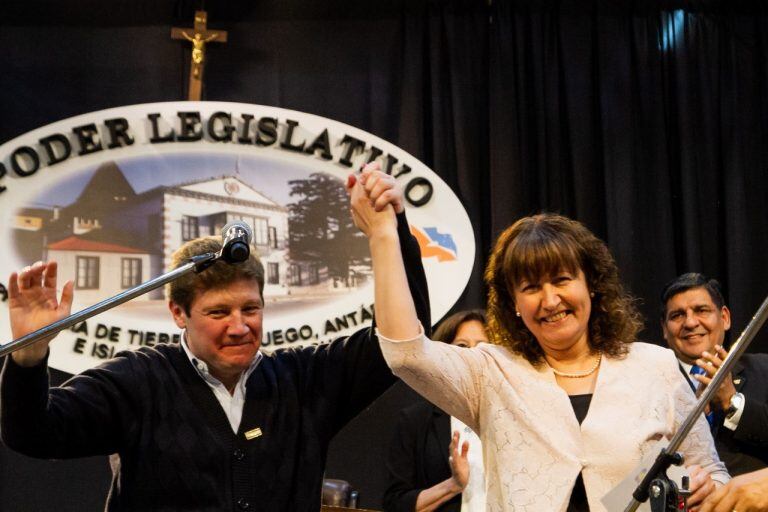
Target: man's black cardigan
x,y
176,447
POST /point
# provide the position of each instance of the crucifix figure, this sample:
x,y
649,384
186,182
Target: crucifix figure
x,y
198,36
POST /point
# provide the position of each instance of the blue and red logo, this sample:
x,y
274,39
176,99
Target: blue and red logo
x,y
435,244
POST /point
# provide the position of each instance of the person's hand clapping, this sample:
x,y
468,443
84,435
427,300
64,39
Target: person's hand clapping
x,y
711,363
458,462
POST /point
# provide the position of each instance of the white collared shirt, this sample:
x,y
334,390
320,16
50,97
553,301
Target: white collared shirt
x,y
231,403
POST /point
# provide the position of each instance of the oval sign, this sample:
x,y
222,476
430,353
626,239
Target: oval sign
x,y
111,194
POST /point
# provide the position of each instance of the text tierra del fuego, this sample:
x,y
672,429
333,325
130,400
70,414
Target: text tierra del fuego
x,y
104,339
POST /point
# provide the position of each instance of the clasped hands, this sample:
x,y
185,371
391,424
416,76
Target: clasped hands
x,y
374,198
710,363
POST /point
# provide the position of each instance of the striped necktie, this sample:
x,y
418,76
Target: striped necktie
x,y
698,370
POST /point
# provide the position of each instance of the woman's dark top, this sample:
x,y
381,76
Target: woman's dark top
x,y
578,501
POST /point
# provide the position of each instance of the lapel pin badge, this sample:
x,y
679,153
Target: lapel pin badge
x,y
253,433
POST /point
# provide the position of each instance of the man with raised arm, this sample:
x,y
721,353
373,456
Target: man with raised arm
x,y
212,423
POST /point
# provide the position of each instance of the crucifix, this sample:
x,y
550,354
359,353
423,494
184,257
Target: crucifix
x,y
199,36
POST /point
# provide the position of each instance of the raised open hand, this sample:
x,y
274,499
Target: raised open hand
x,y
458,461
33,303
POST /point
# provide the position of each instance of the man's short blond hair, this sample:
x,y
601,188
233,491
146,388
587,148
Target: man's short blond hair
x,y
183,290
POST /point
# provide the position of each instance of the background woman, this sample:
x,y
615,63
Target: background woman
x,y
435,462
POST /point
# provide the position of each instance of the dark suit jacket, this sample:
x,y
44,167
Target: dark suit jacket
x,y
746,448
418,457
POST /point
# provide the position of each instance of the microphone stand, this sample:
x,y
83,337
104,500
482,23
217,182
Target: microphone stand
x,y
656,484
196,264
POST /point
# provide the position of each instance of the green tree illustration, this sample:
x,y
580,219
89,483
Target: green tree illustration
x,y
321,227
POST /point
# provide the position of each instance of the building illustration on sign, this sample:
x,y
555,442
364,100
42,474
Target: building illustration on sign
x,y
112,238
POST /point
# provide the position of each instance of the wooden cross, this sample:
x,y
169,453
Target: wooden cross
x,y
198,36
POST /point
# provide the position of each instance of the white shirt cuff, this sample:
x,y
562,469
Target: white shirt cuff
x,y
733,422
390,340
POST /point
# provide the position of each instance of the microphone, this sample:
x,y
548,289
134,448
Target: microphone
x,y
235,240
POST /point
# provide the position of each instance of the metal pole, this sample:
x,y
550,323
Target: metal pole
x,y
197,264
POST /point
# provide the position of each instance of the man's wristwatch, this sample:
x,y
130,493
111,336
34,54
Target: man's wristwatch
x,y
737,402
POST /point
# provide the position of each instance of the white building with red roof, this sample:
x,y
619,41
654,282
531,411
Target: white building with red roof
x,y
99,268
111,238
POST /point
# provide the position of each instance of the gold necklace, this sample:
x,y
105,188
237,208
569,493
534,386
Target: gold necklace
x,y
578,375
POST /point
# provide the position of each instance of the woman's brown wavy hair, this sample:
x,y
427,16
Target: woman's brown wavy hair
x,y
540,246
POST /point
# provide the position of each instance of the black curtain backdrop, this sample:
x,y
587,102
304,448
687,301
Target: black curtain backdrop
x,y
646,120
648,125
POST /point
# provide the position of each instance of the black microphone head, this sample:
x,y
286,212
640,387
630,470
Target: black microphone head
x,y
236,238
238,252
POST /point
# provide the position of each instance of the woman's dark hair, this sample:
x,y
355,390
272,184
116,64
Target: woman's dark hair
x,y
446,331
540,246
690,281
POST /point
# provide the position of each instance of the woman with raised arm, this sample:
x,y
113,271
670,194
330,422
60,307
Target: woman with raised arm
x,y
565,402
